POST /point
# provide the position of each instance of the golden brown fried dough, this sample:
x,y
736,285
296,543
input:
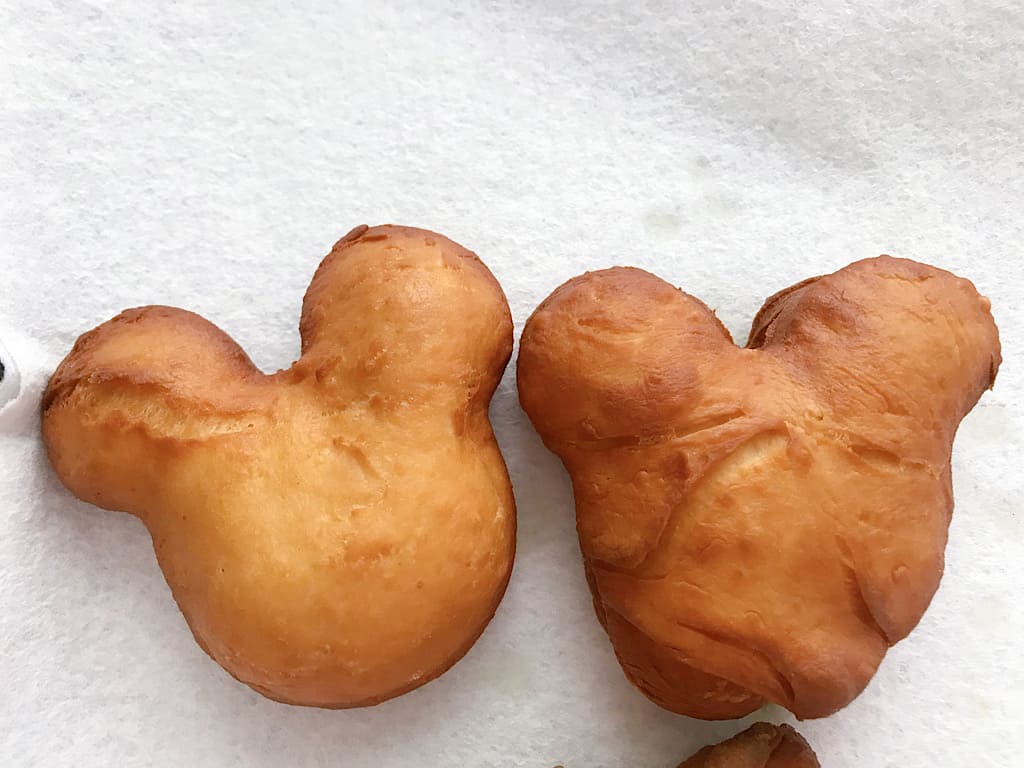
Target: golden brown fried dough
x,y
760,523
339,532
760,746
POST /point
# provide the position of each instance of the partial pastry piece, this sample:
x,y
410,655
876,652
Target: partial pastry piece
x,y
10,382
759,523
336,533
762,745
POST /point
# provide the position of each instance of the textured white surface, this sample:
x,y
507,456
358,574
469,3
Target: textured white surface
x,y
208,154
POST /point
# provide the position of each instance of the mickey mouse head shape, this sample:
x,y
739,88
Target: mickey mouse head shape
x,y
336,533
759,523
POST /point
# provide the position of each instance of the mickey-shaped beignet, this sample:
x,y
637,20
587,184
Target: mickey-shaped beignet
x,y
759,523
336,533
762,745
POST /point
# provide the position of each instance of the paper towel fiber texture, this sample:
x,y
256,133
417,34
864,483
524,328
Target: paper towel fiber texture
x,y
207,155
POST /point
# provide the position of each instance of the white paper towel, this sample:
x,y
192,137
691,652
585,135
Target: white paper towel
x,y
207,155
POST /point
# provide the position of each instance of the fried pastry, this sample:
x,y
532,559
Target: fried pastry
x,y
336,533
760,523
762,745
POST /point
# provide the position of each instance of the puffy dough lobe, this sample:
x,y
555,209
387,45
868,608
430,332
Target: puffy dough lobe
x,y
759,523
760,746
336,533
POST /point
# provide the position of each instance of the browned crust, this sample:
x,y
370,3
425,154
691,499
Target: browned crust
x,y
836,420
773,307
382,234
762,745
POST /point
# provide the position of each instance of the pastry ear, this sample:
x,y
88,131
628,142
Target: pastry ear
x,y
397,310
887,338
605,363
609,354
148,374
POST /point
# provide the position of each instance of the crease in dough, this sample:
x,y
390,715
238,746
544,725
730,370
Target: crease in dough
x,y
767,519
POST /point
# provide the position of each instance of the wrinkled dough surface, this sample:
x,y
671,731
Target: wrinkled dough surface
x,y
762,745
759,523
